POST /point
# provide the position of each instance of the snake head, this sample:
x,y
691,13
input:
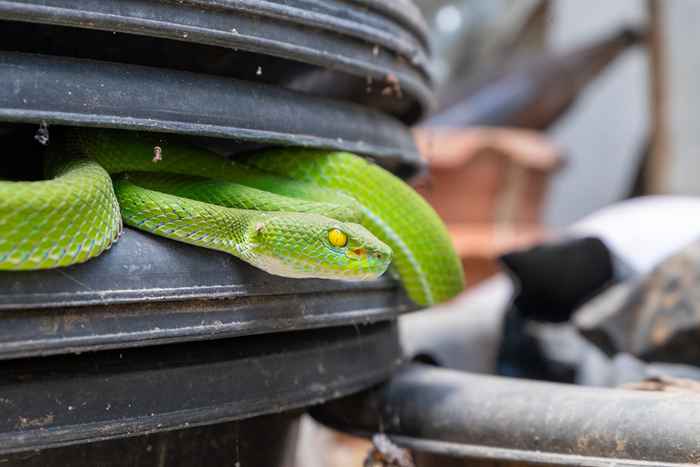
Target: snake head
x,y
305,245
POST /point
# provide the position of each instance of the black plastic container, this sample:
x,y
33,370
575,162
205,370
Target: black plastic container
x,y
301,44
156,351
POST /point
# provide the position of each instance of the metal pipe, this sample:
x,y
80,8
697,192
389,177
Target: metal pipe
x,y
466,415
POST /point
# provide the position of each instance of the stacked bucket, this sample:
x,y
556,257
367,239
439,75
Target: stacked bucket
x,y
156,341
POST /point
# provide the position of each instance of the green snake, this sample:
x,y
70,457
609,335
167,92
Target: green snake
x,y
293,212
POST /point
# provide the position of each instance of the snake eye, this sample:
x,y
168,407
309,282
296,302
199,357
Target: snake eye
x,y
337,237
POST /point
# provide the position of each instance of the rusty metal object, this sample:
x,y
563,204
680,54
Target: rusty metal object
x,y
657,318
667,384
469,416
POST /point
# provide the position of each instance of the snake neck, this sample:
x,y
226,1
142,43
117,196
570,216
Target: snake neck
x,y
197,223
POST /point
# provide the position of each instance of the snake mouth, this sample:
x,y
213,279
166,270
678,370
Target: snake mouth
x,y
356,253
334,267
305,267
362,253
372,260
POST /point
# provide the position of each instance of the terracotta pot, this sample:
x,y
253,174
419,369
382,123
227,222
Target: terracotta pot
x,y
489,185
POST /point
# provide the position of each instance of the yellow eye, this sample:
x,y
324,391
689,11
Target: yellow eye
x,y
337,237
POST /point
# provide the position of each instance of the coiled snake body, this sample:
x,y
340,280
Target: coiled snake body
x,y
290,212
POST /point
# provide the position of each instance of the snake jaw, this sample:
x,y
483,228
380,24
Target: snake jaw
x,y
359,252
244,250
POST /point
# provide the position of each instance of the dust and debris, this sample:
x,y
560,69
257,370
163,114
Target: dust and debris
x,y
35,422
259,71
72,322
393,87
42,134
157,154
73,279
47,325
385,453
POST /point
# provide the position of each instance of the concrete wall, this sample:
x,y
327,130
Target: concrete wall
x,y
604,135
682,32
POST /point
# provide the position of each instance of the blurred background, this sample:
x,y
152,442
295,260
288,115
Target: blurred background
x,y
604,136
562,155
611,112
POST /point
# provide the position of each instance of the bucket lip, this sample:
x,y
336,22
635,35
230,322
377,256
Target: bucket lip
x,y
121,393
404,11
377,49
374,21
149,291
79,92
166,277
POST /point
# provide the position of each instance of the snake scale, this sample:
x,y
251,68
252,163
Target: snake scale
x,y
293,212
